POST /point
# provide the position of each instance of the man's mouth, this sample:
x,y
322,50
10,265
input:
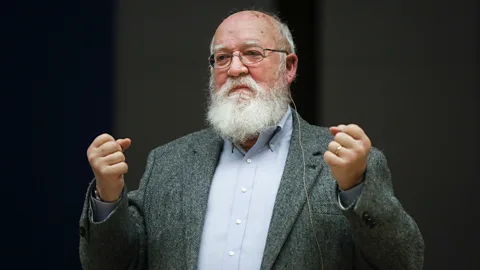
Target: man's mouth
x,y
241,90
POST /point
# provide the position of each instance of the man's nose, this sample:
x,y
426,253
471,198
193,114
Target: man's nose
x,y
237,68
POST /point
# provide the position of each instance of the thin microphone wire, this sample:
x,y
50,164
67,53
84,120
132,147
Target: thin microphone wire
x,y
304,181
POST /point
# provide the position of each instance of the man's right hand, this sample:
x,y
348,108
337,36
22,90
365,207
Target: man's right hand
x,y
107,160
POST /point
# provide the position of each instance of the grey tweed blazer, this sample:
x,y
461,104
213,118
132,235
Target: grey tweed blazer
x,y
159,225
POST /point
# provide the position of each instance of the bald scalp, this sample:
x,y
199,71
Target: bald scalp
x,y
273,26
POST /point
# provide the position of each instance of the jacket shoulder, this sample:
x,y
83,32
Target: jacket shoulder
x,y
185,142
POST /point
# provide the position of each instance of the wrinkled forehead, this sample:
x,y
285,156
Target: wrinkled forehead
x,y
246,28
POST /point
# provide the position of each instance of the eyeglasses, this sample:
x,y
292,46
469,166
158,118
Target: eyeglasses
x,y
248,57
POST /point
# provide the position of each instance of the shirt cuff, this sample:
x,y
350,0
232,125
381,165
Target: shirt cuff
x,y
347,198
101,210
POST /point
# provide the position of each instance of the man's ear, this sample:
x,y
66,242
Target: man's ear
x,y
291,68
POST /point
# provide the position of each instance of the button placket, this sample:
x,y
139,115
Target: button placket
x,y
239,213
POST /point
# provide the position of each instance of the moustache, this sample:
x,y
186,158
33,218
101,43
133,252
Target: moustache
x,y
244,81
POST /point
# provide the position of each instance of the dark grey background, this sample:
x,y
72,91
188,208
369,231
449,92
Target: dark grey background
x,y
406,71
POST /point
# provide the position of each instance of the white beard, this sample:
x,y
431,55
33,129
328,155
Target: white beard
x,y
240,117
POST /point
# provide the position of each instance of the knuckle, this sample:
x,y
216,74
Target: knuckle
x,y
103,170
368,143
327,157
91,150
113,145
364,145
107,136
349,129
117,156
108,144
91,159
95,163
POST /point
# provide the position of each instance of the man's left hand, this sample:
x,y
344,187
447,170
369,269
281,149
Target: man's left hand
x,y
347,155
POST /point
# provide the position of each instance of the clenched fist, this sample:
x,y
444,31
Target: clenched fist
x,y
347,155
107,160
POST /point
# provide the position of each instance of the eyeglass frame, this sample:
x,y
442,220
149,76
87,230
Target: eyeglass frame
x,y
211,58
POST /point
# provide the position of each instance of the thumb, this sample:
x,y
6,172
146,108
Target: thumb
x,y
124,143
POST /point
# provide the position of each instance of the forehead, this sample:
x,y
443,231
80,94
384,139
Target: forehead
x,y
246,27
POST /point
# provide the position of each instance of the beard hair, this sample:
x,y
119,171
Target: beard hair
x,y
239,117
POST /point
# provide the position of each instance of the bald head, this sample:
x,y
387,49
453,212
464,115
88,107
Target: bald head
x,y
261,26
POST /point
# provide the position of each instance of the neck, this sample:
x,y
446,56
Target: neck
x,y
248,144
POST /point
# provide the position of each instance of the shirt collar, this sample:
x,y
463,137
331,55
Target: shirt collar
x,y
271,136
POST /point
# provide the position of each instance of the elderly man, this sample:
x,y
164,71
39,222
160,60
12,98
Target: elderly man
x,y
260,189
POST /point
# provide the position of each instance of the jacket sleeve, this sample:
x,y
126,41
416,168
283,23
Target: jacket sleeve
x,y
119,241
385,236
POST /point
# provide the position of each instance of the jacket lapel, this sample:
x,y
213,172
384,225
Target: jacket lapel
x,y
291,196
197,179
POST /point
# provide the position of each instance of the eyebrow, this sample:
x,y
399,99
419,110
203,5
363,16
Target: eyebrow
x,y
247,43
252,43
219,47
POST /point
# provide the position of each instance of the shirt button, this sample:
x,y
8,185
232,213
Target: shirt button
x,y
231,253
249,161
271,146
244,190
238,221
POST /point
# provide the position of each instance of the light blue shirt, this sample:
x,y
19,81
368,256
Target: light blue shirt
x,y
241,200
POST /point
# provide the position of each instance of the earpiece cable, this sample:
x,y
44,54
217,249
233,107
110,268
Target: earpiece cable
x,y
304,181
